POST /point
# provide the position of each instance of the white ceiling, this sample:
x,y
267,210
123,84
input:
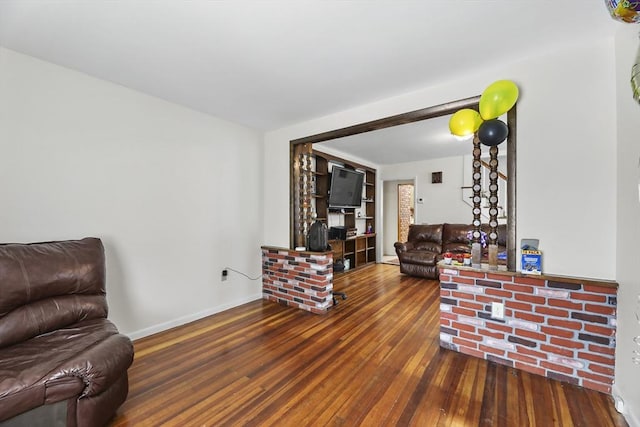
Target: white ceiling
x,y
269,64
426,139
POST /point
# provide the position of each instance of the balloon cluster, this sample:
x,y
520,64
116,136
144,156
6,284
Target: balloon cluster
x,y
624,10
496,100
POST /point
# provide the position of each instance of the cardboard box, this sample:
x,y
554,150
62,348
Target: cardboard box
x,y
531,262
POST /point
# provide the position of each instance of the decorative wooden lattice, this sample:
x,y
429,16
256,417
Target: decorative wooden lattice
x,y
477,187
303,177
493,195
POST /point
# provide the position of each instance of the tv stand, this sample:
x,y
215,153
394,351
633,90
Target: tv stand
x,y
359,250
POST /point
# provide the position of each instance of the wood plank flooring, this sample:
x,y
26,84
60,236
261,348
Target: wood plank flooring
x,y
374,360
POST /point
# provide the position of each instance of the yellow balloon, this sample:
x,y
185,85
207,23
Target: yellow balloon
x,y
465,122
498,98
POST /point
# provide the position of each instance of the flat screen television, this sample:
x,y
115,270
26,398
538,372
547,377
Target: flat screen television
x,y
346,188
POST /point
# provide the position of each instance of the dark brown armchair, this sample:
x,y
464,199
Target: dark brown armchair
x,y
57,348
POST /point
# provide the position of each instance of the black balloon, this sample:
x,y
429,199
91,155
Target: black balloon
x,y
493,132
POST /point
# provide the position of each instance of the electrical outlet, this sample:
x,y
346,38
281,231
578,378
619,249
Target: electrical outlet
x,y
225,274
497,310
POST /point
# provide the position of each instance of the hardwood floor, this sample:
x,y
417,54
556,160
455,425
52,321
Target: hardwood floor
x,y
374,360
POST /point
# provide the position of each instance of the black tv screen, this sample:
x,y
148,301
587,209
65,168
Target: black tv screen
x,y
346,188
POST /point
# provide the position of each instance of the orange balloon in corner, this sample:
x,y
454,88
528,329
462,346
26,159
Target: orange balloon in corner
x,y
465,122
498,98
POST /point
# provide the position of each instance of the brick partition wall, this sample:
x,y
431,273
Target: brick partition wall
x,y
298,279
558,327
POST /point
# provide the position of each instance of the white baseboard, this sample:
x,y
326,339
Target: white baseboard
x,y
190,318
628,411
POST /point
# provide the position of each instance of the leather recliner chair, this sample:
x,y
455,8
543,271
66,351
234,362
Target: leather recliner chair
x,y
427,243
56,345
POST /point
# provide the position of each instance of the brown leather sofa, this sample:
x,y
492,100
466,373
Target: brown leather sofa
x,y
57,347
426,244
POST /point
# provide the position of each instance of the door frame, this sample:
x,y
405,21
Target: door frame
x,y
389,238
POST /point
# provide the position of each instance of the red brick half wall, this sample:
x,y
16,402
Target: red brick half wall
x,y
299,279
558,327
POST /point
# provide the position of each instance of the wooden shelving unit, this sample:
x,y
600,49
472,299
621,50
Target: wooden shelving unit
x,y
361,249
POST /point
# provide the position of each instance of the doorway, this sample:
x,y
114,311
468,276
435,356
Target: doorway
x,y
406,210
398,213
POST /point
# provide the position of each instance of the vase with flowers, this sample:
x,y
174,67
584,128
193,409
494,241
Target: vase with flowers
x,y
477,241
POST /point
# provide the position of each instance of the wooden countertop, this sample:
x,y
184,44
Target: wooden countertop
x,y
552,277
279,248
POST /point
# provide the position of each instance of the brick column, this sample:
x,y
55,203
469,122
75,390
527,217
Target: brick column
x,y
298,279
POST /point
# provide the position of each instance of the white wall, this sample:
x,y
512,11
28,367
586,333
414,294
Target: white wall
x,y
566,152
628,226
441,202
173,193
